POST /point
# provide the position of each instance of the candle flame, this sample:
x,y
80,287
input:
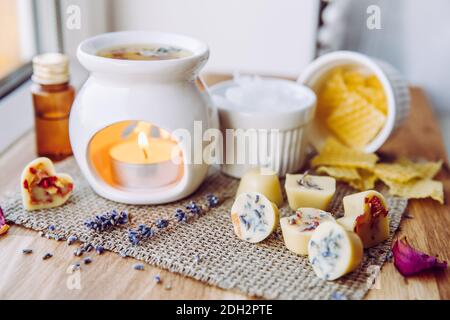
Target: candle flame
x,y
164,134
143,143
143,127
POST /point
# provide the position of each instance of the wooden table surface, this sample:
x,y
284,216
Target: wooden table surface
x,y
112,277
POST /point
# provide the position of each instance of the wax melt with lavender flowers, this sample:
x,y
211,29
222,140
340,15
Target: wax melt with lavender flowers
x,y
333,251
254,217
304,190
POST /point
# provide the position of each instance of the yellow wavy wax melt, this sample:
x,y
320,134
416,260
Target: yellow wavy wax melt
x,y
353,106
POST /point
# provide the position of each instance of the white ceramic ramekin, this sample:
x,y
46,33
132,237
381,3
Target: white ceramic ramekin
x,y
286,148
395,88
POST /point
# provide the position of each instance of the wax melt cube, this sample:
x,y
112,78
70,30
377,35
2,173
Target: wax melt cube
x,y
334,251
304,190
264,181
254,217
42,187
366,214
298,228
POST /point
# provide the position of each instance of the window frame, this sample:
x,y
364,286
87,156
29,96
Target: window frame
x,y
45,16
15,79
15,100
49,36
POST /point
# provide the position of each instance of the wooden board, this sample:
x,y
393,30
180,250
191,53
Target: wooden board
x,y
112,277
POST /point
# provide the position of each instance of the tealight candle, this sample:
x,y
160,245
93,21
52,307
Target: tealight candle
x,y
145,163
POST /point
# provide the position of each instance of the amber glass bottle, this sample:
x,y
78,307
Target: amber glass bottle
x,y
52,99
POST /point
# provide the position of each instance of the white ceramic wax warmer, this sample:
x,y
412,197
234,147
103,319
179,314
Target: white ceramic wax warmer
x,y
126,121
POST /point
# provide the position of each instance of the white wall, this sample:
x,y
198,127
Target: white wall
x,y
95,17
261,36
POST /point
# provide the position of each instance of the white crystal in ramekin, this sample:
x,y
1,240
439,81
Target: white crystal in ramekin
x,y
287,155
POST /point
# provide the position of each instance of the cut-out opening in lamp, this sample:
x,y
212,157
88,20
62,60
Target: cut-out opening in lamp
x,y
136,155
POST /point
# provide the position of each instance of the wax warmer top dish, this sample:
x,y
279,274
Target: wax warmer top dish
x,y
132,122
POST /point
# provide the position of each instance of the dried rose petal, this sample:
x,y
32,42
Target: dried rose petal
x,y
2,218
3,226
409,261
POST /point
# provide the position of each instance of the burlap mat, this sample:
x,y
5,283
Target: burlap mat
x,y
266,270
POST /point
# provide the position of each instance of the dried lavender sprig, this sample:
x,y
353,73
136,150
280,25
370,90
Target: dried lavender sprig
x,y
87,247
162,223
134,237
47,256
138,266
106,221
338,296
87,260
71,240
99,250
212,200
193,208
307,183
180,215
78,252
76,266
142,232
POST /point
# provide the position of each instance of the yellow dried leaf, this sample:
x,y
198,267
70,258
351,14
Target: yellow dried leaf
x,y
425,169
367,181
334,153
396,172
340,173
418,189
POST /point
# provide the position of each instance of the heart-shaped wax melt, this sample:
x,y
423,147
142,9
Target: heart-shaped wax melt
x,y
42,187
